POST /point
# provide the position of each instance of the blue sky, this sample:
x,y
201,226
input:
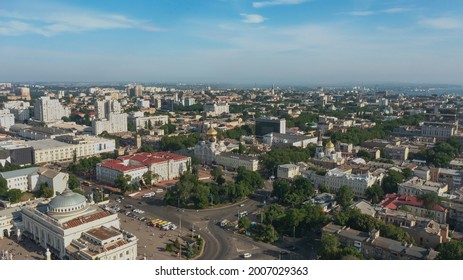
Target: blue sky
x,y
233,41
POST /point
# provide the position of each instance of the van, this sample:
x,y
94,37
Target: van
x,y
243,214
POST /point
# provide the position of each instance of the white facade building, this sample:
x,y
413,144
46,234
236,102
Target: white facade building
x,y
215,108
73,229
20,109
336,178
109,117
50,110
6,119
141,103
138,120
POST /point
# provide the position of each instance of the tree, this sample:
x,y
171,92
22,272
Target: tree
x,y
323,189
365,155
329,248
73,182
265,233
345,196
391,181
122,182
429,200
244,223
45,191
452,250
147,177
3,186
14,195
375,194
147,149
216,173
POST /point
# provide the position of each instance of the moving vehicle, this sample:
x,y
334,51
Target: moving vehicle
x,y
247,255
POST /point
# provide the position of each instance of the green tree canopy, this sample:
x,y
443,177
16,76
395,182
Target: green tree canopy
x,y
344,196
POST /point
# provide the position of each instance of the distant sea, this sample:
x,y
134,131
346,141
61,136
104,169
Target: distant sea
x,y
431,91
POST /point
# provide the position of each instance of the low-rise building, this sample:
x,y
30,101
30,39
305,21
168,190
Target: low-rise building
x,y
71,228
165,166
372,245
336,178
233,161
288,171
30,179
416,186
14,152
396,152
415,206
139,121
326,201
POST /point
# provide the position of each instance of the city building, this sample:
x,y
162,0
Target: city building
x,y
277,139
266,125
415,206
23,92
396,152
326,201
72,228
6,119
15,153
336,178
233,161
51,150
30,179
188,101
416,186
109,117
372,245
20,109
288,171
164,166
139,121
216,108
39,133
451,177
49,110
142,103
440,125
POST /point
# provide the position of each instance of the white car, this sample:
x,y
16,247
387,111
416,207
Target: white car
x,y
247,255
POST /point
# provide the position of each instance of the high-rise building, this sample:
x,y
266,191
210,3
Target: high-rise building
x,y
188,101
24,92
20,109
266,125
6,119
109,117
50,110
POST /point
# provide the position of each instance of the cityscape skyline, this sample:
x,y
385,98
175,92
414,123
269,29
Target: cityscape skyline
x,y
291,42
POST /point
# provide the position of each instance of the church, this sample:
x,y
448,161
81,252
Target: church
x,y
209,146
327,156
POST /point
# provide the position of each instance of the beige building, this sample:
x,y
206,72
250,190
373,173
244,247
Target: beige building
x,y
336,178
372,245
288,171
233,161
397,152
83,146
416,186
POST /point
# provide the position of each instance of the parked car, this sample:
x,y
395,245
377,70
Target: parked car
x,y
247,255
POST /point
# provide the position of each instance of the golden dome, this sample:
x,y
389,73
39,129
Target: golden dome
x,y
330,145
211,132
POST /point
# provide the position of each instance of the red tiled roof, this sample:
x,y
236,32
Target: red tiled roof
x,y
394,201
85,219
145,159
117,164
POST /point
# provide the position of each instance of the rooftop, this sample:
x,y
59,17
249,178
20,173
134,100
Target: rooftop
x,y
47,144
394,201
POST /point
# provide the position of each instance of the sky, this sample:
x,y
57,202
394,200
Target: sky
x,y
290,42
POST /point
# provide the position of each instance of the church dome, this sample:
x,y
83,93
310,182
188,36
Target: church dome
x,y
212,132
330,145
66,202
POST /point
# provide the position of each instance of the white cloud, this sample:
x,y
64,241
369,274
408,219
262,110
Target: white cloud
x,y
375,12
276,2
442,23
50,23
252,18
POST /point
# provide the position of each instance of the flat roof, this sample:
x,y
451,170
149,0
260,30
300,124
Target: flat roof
x,y
47,144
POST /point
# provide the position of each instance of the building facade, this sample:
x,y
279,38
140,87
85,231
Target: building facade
x,y
233,161
50,110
